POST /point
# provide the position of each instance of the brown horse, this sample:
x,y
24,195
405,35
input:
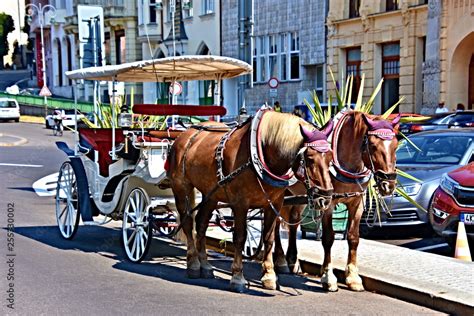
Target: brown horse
x,y
362,147
220,167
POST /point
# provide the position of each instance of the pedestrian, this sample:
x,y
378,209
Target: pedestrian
x,y
277,106
460,107
441,108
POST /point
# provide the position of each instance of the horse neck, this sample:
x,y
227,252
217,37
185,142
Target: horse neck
x,y
349,143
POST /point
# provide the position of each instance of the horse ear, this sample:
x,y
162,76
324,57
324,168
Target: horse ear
x,y
327,129
396,119
306,132
368,121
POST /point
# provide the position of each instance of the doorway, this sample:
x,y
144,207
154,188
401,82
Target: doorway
x,y
471,84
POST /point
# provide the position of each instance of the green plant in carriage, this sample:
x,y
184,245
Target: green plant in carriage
x,y
342,97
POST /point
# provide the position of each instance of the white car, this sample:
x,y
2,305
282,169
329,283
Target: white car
x,y
68,118
9,109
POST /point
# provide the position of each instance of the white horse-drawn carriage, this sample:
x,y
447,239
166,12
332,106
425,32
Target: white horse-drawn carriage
x,y
119,172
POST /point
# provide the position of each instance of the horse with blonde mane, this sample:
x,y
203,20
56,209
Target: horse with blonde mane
x,y
363,146
247,167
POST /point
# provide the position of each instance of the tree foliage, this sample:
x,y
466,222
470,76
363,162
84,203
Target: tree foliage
x,y
6,27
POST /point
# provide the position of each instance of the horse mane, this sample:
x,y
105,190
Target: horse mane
x,y
282,131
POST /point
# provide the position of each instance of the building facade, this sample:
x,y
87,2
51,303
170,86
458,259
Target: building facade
x,y
382,40
288,43
196,32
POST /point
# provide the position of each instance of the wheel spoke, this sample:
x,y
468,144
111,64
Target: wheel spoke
x,y
131,236
132,217
134,246
142,240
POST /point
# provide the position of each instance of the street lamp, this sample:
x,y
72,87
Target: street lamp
x,y
40,11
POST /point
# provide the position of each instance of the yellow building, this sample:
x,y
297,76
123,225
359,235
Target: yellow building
x,y
422,49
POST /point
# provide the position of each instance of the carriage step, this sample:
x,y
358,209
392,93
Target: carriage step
x,y
91,223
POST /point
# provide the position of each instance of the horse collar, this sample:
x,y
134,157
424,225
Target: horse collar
x,y
336,170
258,160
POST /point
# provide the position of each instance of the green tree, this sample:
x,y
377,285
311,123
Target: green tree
x,y
6,27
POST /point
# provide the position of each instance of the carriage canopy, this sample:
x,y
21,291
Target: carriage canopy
x,y
170,69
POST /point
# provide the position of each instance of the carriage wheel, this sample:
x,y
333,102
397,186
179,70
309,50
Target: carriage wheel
x,y
166,218
67,202
136,226
254,242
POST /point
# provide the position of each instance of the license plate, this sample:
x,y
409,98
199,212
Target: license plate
x,y
467,218
404,131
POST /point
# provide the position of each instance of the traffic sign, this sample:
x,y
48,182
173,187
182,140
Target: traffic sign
x,y
273,83
273,93
176,88
45,92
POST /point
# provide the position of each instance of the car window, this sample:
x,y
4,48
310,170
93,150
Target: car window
x,y
7,104
444,120
463,118
439,149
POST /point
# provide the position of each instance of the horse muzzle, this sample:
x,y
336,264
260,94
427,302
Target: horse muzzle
x,y
386,182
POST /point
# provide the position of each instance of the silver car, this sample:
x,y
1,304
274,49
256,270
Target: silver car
x,y
440,152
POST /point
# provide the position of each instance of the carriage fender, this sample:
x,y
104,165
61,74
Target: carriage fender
x,y
85,207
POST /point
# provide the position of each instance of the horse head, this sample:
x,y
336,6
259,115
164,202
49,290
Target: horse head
x,y
314,165
378,151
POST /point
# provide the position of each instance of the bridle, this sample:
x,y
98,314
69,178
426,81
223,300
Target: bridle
x,y
313,191
379,175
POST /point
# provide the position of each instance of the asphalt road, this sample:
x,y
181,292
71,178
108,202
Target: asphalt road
x,y
90,274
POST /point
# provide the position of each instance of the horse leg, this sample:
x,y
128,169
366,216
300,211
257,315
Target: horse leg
x,y
281,265
202,223
353,280
292,251
269,278
184,199
328,279
238,282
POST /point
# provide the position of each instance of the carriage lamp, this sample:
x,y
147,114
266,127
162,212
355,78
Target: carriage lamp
x,y
125,120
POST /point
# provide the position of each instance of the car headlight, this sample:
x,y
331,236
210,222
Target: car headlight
x,y
448,184
411,189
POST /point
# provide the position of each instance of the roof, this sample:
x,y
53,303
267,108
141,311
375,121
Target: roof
x,y
181,68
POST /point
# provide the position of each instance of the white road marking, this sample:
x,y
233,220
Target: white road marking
x,y
20,165
432,247
46,186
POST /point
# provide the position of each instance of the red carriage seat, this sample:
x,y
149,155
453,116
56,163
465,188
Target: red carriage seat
x,y
100,139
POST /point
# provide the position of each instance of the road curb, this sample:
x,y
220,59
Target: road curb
x,y
436,302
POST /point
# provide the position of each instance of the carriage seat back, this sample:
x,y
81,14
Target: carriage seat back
x,y
100,139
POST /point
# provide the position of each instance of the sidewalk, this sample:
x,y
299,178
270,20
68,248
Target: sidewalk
x,y
438,282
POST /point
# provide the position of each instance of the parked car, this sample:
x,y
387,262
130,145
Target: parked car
x,y
440,152
9,109
68,119
454,201
440,121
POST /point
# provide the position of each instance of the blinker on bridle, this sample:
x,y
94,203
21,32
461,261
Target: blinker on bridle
x,y
384,134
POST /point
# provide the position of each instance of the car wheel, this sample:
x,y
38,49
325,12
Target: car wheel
x,y
47,125
17,120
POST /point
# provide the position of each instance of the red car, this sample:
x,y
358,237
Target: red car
x,y
454,201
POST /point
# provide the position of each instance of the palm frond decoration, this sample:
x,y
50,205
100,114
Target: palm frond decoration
x,y
343,97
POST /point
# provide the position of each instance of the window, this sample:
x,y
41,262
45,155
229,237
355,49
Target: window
x,y
320,81
187,9
295,56
354,6
391,5
152,7
107,48
391,75
272,56
254,59
353,61
207,6
276,55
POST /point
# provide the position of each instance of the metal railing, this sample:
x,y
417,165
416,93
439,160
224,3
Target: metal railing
x,y
53,103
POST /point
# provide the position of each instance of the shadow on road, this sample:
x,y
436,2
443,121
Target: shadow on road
x,y
166,260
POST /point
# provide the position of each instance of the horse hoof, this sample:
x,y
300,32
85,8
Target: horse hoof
x,y
207,273
356,287
269,284
330,287
193,274
237,287
282,269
